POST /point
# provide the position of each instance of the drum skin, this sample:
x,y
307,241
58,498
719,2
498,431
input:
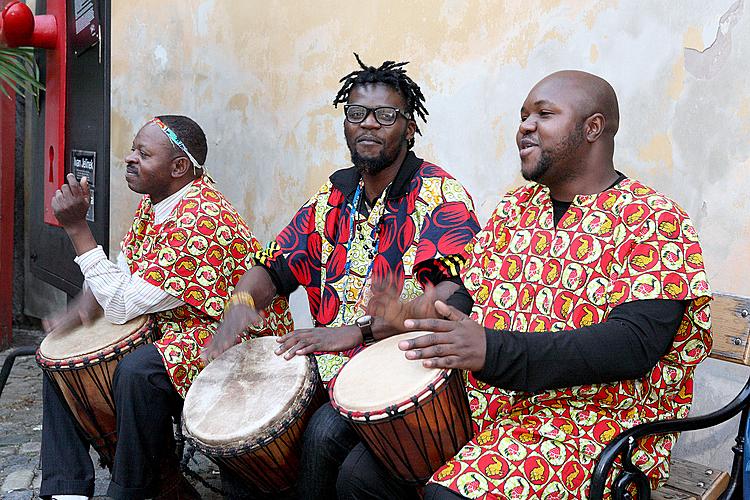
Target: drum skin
x,y
418,430
83,373
248,409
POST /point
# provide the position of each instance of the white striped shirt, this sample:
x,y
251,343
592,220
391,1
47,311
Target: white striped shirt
x,y
122,295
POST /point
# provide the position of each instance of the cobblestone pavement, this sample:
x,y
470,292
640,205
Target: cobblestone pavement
x,y
21,432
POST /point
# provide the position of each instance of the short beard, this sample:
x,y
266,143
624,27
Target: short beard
x,y
541,168
370,166
373,166
563,152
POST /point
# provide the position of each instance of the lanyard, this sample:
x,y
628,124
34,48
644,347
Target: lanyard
x,y
353,214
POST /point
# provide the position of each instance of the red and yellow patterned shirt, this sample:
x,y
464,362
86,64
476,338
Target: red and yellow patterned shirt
x,y
624,244
196,255
423,224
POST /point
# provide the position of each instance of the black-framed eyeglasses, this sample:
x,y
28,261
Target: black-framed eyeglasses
x,y
384,115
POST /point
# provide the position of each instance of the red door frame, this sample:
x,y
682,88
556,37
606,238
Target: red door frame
x,y
7,216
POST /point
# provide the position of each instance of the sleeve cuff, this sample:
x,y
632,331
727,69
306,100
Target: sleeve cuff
x,y
492,353
89,259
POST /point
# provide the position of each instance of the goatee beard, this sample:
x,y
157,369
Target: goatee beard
x,y
544,163
370,166
564,152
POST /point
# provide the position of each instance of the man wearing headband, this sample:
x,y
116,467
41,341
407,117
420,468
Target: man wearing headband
x,y
180,261
392,222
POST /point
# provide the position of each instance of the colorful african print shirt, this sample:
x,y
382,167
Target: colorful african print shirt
x,y
627,243
196,255
421,223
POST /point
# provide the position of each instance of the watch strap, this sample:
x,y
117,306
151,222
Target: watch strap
x,y
365,327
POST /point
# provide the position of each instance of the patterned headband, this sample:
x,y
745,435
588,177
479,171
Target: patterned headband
x,y
175,140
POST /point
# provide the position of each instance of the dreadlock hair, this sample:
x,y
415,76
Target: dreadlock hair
x,y
190,133
392,74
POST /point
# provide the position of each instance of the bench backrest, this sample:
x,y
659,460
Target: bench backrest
x,y
730,327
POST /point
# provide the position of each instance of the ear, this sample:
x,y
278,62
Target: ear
x,y
593,127
411,129
180,167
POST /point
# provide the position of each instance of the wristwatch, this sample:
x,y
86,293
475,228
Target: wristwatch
x,y
365,326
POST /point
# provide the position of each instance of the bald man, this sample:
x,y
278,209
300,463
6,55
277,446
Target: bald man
x,y
590,312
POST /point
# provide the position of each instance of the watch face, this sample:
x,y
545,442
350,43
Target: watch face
x,y
364,321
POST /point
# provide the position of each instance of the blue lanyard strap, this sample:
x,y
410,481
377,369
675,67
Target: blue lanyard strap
x,y
353,214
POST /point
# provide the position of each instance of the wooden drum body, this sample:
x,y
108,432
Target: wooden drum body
x,y
82,365
412,418
248,409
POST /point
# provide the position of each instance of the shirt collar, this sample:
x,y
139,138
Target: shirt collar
x,y
165,206
620,177
346,180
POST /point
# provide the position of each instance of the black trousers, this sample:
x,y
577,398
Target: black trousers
x,y
145,401
336,464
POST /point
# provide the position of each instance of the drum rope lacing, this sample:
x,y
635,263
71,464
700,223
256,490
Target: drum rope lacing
x,y
399,455
103,442
384,438
67,374
281,437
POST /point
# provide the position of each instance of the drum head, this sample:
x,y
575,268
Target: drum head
x,y
87,340
245,392
381,376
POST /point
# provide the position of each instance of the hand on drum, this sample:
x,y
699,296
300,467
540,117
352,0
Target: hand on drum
x,y
386,303
82,311
310,340
71,202
236,319
456,342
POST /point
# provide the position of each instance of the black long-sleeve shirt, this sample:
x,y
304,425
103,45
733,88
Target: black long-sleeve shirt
x,y
626,346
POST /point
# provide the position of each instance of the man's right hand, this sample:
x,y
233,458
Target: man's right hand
x,y
82,311
238,315
71,202
236,319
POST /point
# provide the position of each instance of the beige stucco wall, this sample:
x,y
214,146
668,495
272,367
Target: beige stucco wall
x,y
259,77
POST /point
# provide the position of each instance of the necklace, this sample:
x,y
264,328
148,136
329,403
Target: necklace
x,y
353,215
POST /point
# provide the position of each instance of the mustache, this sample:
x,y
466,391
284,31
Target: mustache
x,y
368,137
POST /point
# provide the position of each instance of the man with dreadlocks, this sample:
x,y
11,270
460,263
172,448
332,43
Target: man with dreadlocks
x,y
183,254
392,222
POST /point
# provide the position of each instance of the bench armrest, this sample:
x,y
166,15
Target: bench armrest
x,y
625,444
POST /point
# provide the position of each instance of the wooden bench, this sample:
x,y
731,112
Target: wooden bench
x,y
730,318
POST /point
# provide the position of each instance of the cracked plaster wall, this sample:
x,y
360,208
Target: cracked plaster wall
x,y
260,76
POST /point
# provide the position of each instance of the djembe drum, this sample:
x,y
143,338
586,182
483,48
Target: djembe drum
x,y
412,418
82,362
247,411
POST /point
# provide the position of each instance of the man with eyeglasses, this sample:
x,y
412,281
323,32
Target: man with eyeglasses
x,y
391,222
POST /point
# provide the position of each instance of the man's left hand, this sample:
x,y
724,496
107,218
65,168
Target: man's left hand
x,y
386,303
310,340
456,342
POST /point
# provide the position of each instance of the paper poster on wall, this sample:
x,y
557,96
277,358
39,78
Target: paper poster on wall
x,y
84,164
